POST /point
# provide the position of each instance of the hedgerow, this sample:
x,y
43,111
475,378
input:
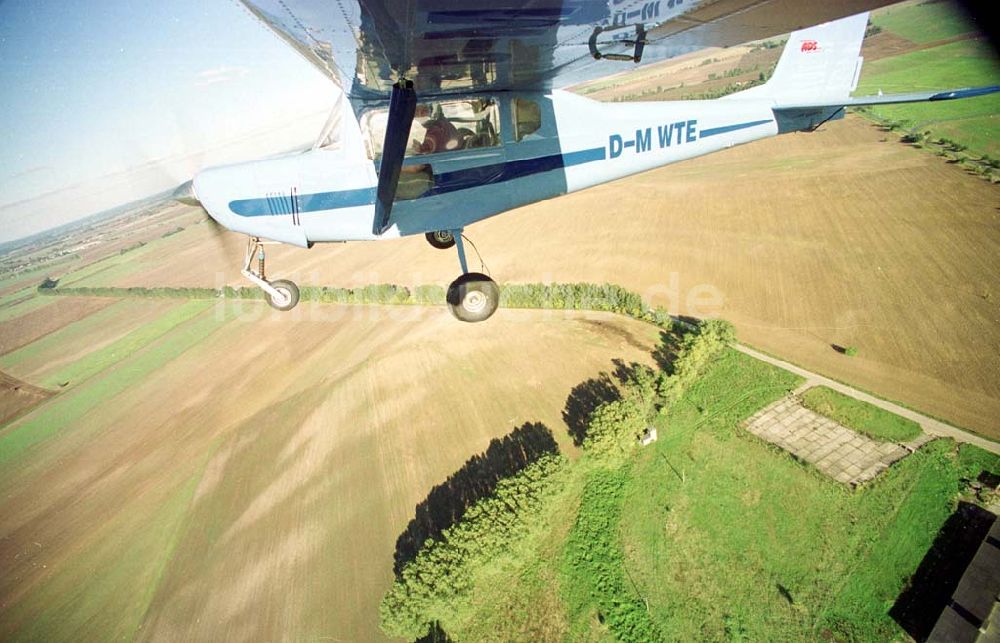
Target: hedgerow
x,y
697,349
429,587
580,296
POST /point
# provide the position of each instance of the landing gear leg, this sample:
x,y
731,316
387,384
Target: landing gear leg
x,y
473,297
281,294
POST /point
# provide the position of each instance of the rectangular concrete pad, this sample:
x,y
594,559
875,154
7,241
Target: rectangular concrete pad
x,y
837,451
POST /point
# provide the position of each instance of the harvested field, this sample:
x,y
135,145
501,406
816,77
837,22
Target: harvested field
x,y
73,342
22,330
16,397
841,237
254,485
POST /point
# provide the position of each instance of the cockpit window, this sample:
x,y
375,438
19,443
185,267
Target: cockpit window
x,y
527,118
445,126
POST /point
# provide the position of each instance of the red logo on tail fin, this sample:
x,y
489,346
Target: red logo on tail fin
x,y
810,45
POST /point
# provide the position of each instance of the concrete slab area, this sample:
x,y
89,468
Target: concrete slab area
x,y
839,452
930,426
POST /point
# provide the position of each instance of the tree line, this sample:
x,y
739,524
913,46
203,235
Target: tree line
x,y
434,586
576,296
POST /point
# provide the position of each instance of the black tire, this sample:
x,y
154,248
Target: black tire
x,y
285,287
473,297
442,239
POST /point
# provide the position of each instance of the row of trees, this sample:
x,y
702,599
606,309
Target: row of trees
x,y
615,426
49,288
434,585
431,586
579,296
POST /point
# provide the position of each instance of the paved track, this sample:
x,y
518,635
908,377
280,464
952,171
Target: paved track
x,y
928,424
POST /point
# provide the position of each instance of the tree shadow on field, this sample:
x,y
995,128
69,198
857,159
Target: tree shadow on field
x,y
929,591
666,351
586,396
435,635
447,502
584,400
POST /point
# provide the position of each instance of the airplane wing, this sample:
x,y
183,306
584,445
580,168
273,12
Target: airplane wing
x,y
462,46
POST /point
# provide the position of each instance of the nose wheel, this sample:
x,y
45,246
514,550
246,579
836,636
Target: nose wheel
x,y
281,294
473,297
289,294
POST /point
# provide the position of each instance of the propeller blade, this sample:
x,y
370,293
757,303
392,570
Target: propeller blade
x,y
185,194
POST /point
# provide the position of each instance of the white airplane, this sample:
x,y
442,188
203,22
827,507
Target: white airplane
x,y
449,113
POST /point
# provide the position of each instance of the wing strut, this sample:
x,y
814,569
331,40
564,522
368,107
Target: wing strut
x,y
402,107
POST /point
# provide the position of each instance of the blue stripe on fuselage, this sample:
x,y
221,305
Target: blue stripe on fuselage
x,y
443,183
705,133
307,202
455,180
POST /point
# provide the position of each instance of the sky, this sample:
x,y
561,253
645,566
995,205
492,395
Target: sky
x,y
108,101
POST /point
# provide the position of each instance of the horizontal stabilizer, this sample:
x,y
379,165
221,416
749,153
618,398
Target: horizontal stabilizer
x,y
890,99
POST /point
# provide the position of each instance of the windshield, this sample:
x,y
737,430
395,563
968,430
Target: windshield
x,y
445,126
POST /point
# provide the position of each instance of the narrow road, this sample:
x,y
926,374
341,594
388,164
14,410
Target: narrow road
x,y
929,425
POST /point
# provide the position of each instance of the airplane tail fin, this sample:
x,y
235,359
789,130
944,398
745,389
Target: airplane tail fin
x,y
819,64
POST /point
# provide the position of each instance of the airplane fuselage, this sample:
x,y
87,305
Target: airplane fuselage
x,y
329,194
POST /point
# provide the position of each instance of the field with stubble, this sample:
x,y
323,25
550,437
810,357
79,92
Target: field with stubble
x,y
245,474
806,242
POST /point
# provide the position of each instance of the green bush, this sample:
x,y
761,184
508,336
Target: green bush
x,y
615,427
594,560
428,586
697,350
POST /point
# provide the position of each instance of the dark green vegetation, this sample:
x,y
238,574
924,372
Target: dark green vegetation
x,y
435,586
862,417
595,574
707,534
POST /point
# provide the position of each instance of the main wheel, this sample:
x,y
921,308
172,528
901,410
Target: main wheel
x,y
288,290
473,297
442,239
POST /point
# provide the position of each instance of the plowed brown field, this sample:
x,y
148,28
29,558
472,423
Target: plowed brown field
x,y
253,488
16,397
25,329
840,237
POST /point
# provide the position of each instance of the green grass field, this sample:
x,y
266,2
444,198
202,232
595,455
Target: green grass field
x,y
874,422
728,538
47,349
41,349
65,410
711,534
115,352
973,122
20,303
101,271
923,22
